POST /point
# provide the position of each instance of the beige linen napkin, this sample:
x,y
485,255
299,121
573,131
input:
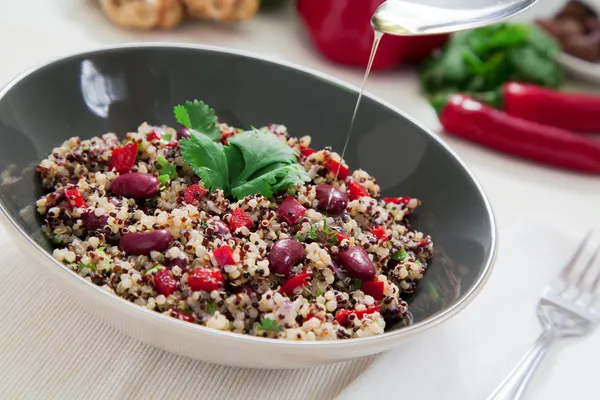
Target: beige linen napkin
x,y
51,349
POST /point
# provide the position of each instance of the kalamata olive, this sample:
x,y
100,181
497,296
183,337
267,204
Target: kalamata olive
x,y
136,185
92,222
220,227
183,133
338,271
176,262
284,254
54,198
357,263
142,243
331,200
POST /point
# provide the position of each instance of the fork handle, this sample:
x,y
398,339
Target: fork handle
x,y
513,387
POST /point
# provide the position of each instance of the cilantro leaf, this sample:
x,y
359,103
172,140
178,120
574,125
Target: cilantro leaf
x,y
207,159
268,324
210,307
197,115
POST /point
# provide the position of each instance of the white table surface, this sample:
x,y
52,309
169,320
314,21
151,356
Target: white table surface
x,y
35,31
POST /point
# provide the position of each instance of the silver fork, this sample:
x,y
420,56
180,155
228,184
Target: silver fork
x,y
565,309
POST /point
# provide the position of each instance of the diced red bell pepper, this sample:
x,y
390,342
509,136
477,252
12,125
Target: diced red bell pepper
x,y
193,193
164,282
224,256
152,136
333,166
397,200
296,282
206,279
123,158
373,288
290,210
176,313
75,198
379,233
225,137
341,236
307,151
356,190
239,219
342,315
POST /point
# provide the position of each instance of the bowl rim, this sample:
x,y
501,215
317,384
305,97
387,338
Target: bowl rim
x,y
427,323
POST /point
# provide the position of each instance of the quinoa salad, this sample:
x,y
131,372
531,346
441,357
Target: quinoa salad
x,y
252,232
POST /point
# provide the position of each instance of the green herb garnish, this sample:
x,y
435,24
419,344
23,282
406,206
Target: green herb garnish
x,y
253,162
83,266
197,115
210,307
357,284
300,237
153,269
268,324
400,255
319,292
333,240
313,233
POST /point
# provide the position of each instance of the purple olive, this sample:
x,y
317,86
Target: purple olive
x,y
331,200
284,254
136,185
357,263
176,262
142,243
92,222
339,272
54,198
183,133
220,227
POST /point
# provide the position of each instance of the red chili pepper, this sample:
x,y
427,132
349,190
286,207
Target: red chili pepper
x,y
239,219
193,193
474,121
75,198
342,315
373,288
152,136
397,200
307,151
295,282
123,158
356,190
341,30
164,282
224,256
379,233
206,279
578,112
333,166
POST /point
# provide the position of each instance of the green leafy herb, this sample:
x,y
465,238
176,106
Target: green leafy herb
x,y
268,324
481,60
253,162
319,292
333,240
357,284
313,233
210,307
300,237
400,255
83,266
153,269
198,116
204,225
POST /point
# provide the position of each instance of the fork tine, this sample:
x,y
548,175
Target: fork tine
x,y
580,285
568,270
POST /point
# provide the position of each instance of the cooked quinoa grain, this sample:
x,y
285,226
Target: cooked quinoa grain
x,y
326,260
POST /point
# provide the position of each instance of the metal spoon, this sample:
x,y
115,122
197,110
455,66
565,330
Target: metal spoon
x,y
424,17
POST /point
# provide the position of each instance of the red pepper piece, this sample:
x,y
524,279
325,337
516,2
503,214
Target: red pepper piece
x,y
164,282
333,166
397,200
474,121
356,190
295,282
340,236
373,288
578,112
307,151
75,198
176,313
193,193
224,256
239,219
379,233
123,158
206,279
290,210
342,315
152,136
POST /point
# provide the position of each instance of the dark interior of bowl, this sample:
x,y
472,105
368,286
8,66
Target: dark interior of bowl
x,y
116,90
